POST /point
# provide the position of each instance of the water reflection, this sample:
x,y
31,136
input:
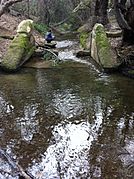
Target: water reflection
x,y
67,104
6,107
67,153
28,125
67,123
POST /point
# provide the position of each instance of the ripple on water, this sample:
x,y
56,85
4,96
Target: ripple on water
x,y
67,157
67,123
67,104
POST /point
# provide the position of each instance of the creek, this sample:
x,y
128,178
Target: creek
x,y
67,123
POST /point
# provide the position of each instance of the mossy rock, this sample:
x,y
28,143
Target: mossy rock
x,y
20,49
101,49
83,39
18,52
25,26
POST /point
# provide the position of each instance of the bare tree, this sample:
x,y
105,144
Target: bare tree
x,y
4,4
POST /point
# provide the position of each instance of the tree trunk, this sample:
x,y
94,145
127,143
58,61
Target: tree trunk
x,y
125,18
103,12
28,8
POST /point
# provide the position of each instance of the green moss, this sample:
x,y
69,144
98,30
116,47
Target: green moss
x,y
19,50
83,39
101,37
21,47
41,28
21,41
106,55
102,44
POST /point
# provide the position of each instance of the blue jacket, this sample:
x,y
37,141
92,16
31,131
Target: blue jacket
x,y
49,36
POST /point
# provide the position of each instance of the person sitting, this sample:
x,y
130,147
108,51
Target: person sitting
x,y
49,36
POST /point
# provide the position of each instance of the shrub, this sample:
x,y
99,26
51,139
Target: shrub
x,y
41,28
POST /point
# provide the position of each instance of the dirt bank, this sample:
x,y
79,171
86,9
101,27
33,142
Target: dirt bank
x,y
8,25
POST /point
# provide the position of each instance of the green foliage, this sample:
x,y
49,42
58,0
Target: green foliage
x,y
75,22
83,39
103,44
41,28
101,39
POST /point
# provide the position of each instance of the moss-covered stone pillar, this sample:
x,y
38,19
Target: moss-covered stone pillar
x,y
101,50
21,47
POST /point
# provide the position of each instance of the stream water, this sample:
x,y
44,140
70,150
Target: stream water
x,y
68,123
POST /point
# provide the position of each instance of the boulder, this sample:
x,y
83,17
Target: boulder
x,y
21,47
84,39
50,45
101,50
84,28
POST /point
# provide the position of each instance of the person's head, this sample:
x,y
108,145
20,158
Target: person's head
x,y
49,30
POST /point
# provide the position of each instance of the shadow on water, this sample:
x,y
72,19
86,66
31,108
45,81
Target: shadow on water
x,y
67,123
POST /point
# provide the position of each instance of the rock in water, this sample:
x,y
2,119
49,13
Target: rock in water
x,y
101,50
21,47
50,45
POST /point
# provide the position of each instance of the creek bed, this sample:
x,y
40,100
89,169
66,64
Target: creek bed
x,y
67,123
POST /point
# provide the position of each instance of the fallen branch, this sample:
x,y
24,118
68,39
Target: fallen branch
x,y
52,53
15,165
